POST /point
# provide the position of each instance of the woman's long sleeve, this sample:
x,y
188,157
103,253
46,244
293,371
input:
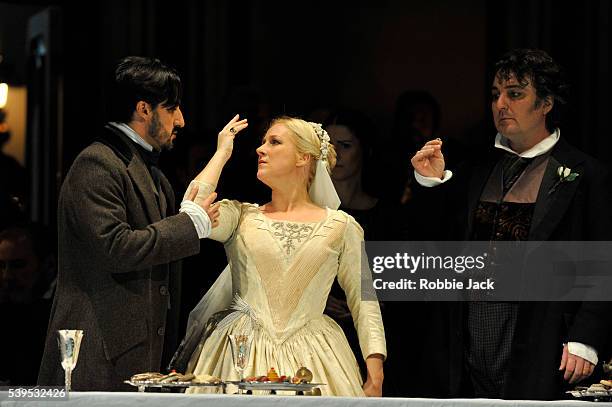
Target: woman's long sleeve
x,y
366,313
229,212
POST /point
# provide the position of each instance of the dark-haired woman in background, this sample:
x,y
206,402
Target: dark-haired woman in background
x,y
352,135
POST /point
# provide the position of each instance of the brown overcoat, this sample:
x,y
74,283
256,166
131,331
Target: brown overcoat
x,y
118,281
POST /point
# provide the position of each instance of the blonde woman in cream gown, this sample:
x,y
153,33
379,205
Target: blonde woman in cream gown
x,y
283,258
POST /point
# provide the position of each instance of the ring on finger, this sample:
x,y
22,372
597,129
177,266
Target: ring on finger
x,y
232,130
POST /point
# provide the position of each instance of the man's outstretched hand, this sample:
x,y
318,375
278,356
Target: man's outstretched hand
x,y
207,204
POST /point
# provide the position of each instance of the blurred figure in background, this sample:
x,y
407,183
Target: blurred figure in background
x,y
359,181
356,171
27,281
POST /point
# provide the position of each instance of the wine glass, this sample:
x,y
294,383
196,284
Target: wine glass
x,y
241,346
69,341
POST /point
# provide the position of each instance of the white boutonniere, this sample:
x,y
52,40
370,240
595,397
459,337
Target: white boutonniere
x,y
565,174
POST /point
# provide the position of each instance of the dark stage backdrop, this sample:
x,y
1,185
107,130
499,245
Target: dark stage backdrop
x,y
262,58
265,57
268,57
290,57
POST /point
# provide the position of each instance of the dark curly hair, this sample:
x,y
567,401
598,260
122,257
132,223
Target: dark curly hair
x,y
545,75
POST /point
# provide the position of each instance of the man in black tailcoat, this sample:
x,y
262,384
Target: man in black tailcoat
x,y
533,186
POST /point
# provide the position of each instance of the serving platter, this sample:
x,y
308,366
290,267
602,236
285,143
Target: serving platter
x,y
280,386
584,393
145,384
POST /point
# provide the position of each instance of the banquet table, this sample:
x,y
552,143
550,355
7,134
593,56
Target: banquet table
x,y
99,399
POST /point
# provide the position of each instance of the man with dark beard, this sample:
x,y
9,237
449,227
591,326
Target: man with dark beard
x,y
120,237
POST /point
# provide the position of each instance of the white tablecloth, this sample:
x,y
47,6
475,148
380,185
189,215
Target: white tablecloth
x,y
103,399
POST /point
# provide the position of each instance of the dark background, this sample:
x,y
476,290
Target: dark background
x,y
262,58
303,55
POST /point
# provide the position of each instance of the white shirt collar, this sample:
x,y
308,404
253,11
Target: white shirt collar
x,y
542,147
135,137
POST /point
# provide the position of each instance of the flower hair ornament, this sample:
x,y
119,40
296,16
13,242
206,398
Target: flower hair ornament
x,y
322,190
323,137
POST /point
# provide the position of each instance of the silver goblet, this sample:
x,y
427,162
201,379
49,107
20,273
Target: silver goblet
x,y
241,347
69,341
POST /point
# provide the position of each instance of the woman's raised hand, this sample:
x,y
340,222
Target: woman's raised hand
x,y
225,141
225,145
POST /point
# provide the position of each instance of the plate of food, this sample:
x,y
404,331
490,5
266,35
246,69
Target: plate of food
x,y
601,391
173,380
272,381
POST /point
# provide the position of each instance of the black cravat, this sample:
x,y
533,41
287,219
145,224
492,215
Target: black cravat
x,y
512,168
151,158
